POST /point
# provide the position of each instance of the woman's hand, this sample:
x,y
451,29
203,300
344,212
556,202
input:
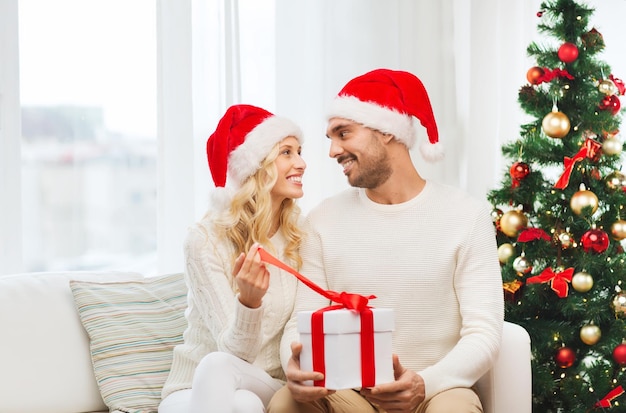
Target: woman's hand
x,y
252,277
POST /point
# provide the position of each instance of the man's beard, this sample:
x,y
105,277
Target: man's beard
x,y
374,171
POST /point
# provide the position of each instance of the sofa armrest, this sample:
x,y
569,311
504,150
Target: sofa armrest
x,y
507,387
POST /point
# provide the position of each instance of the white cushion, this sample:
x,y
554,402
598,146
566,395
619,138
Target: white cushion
x,y
44,350
133,327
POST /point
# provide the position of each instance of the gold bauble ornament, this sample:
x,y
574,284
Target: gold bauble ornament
x,y
582,282
615,180
522,265
512,221
505,252
618,230
583,199
590,334
618,304
555,124
607,87
612,146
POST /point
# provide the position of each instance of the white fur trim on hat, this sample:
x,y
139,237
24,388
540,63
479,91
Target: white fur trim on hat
x,y
246,159
220,198
432,152
374,116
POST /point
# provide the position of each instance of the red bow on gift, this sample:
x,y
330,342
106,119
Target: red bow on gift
x,y
349,301
558,281
589,150
613,394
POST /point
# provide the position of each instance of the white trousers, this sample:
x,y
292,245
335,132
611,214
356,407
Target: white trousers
x,y
223,383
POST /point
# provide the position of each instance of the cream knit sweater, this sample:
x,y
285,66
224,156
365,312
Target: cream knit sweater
x,y
432,259
217,321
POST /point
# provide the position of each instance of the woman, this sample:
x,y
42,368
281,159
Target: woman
x,y
229,361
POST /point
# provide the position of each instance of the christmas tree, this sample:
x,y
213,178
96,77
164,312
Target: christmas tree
x,y
560,219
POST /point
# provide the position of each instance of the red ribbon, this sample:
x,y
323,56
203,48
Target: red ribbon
x,y
349,301
613,394
558,281
590,149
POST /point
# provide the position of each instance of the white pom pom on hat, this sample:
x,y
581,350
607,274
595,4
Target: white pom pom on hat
x,y
243,138
387,100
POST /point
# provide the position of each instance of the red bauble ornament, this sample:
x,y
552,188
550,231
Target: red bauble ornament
x,y
565,357
611,103
519,170
595,241
619,354
568,52
534,75
616,104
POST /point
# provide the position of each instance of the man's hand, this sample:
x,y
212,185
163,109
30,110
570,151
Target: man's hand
x,y
401,396
297,377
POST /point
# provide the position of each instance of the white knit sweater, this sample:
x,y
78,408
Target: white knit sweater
x,y
217,321
432,259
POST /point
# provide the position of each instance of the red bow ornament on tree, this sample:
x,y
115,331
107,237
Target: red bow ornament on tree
x,y
558,280
590,149
533,234
548,75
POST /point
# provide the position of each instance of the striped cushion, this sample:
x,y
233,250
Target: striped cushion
x,y
132,327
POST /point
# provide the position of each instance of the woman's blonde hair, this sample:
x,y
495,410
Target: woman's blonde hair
x,y
249,216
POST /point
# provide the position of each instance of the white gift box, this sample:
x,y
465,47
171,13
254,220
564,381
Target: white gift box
x,y
342,347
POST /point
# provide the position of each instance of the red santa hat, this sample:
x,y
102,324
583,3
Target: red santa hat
x,y
387,100
244,137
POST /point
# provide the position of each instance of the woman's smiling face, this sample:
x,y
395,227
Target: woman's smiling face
x,y
290,167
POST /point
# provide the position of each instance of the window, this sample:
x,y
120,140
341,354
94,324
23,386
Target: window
x,y
89,145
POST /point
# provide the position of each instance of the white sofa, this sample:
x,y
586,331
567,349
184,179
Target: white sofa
x,y
46,365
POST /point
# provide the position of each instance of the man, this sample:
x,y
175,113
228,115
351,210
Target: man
x,y
426,250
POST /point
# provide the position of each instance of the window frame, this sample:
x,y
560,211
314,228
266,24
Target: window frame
x,y
10,133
